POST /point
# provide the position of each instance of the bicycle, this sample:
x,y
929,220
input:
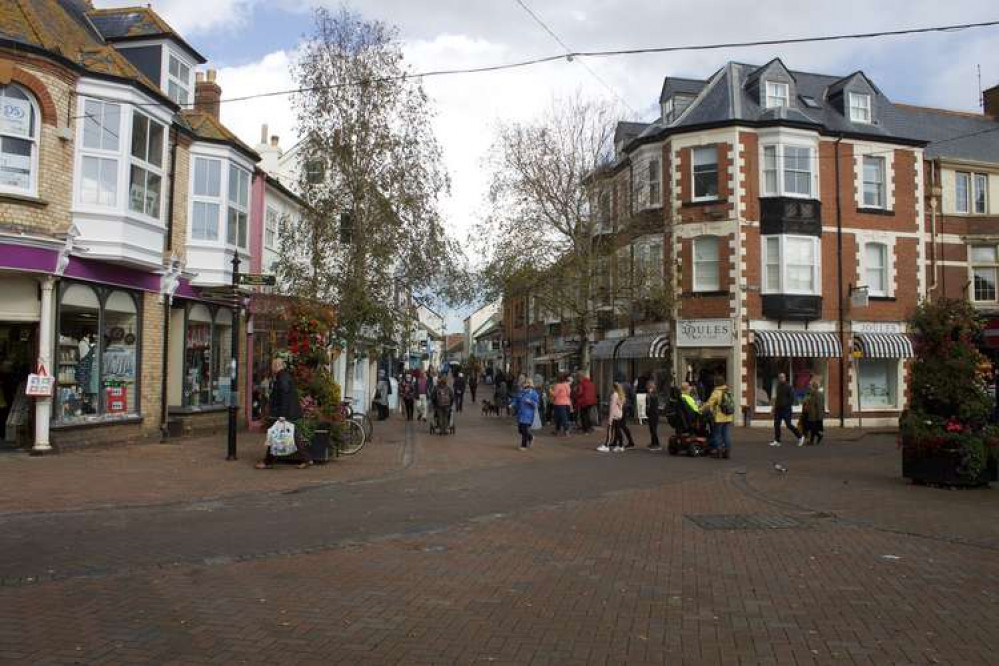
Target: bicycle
x,y
352,437
362,418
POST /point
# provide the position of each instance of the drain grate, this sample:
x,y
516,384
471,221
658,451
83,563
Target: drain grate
x,y
743,521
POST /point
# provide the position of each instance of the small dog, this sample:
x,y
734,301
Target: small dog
x,y
489,408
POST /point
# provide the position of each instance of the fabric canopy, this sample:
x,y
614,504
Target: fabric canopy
x,y
644,346
884,345
548,358
605,349
797,344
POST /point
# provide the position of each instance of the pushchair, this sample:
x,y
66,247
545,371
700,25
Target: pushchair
x,y
690,428
438,428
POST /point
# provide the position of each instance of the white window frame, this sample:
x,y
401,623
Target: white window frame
x,y
667,110
779,149
992,266
860,108
962,204
106,157
148,167
208,199
272,225
983,189
782,288
240,207
776,94
706,276
882,191
168,77
703,150
32,139
895,378
884,268
654,174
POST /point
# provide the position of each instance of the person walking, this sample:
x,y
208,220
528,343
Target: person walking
x,y
284,404
459,391
421,397
783,405
721,408
473,384
407,391
442,400
382,390
814,410
586,400
562,401
525,404
652,415
502,396
616,425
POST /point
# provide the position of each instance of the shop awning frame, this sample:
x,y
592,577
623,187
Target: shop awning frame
x,y
644,346
604,350
797,344
884,345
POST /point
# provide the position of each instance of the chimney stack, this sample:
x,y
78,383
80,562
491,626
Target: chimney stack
x,y
274,141
990,100
263,133
207,93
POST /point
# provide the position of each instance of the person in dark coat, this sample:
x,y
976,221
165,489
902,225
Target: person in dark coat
x,y
473,384
459,391
652,415
284,403
783,404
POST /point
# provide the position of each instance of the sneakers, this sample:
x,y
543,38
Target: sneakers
x,y
775,443
801,441
655,448
618,449
603,448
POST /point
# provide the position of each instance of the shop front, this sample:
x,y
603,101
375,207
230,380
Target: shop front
x,y
644,358
704,349
880,351
19,316
801,356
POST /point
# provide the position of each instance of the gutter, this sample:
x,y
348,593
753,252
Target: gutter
x,y
839,287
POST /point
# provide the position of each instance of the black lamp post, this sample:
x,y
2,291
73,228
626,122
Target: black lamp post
x,y
234,364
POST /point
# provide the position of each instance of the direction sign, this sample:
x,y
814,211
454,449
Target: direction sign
x,y
257,280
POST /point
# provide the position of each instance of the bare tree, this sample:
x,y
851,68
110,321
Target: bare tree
x,y
540,234
372,176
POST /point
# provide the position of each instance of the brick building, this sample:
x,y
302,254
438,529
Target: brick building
x,y
121,207
780,196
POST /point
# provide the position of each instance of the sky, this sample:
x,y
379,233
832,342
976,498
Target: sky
x,y
252,44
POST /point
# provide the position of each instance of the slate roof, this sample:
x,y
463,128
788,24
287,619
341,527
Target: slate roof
x,y
204,126
677,84
130,23
952,134
626,131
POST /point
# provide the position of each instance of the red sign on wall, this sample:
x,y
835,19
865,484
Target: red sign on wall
x,y
116,400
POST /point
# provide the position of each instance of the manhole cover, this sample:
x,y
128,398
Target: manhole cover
x,y
743,522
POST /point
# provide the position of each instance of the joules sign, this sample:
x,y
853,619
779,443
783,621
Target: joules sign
x,y
704,333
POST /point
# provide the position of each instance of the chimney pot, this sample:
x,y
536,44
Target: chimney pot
x,y
990,102
263,133
274,141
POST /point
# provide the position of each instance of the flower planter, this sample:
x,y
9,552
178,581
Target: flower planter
x,y
943,467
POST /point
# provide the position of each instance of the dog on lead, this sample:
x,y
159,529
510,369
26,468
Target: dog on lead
x,y
489,408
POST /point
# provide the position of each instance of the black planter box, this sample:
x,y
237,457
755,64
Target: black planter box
x,y
321,448
940,467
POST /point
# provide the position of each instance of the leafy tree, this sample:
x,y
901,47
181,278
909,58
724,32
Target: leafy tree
x,y
372,176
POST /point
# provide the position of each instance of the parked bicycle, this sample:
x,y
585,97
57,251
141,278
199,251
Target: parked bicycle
x,y
361,417
354,436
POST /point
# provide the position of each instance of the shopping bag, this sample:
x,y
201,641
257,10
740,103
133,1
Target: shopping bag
x,y
537,421
281,438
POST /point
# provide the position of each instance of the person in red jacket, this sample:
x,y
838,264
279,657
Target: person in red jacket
x,y
586,400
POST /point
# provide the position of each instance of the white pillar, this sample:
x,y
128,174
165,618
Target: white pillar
x,y
43,406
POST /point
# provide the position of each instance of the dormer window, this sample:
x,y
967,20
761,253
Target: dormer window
x,y
777,94
668,110
860,108
178,80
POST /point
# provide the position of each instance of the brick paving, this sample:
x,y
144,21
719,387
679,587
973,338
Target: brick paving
x,y
464,550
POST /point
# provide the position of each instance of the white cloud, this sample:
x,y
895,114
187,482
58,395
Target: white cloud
x,y
271,73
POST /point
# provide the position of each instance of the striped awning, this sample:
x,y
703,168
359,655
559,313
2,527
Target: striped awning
x,y
549,358
604,349
797,344
884,345
644,346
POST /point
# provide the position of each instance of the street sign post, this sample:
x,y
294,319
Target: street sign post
x,y
234,367
257,280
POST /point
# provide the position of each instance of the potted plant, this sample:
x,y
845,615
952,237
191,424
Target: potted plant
x,y
946,434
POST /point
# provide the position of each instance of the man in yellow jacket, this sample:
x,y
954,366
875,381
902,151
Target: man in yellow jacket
x,y
721,407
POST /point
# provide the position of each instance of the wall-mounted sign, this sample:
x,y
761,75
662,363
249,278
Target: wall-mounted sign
x,y
704,333
877,327
15,117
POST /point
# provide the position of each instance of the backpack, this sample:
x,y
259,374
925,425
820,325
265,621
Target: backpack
x,y
727,403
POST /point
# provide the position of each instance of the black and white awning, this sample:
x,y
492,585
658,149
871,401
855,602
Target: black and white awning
x,y
644,346
884,345
604,349
797,344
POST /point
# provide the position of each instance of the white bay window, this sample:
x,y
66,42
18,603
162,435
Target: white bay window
x,y
789,170
146,174
206,197
791,265
239,206
100,150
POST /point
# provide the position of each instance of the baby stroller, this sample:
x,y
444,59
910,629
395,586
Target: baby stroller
x,y
690,427
438,428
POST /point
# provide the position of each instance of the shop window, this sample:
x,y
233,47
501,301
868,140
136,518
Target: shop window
x,y
207,356
18,140
799,371
97,354
878,383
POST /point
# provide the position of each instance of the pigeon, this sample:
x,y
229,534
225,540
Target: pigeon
x,y
780,469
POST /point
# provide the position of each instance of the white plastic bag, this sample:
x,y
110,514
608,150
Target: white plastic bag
x,y
537,420
281,438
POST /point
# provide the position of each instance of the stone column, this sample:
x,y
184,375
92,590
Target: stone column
x,y
43,406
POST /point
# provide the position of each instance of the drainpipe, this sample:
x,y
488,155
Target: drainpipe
x,y
839,287
933,230
167,298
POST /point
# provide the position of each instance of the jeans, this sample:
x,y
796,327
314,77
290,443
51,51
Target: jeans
x,y
471,389
784,415
622,429
459,400
525,434
561,418
408,402
654,432
584,419
721,436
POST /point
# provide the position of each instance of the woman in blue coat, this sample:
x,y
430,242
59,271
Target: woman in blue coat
x,y
524,406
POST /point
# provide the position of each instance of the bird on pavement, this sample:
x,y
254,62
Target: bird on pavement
x,y
780,469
